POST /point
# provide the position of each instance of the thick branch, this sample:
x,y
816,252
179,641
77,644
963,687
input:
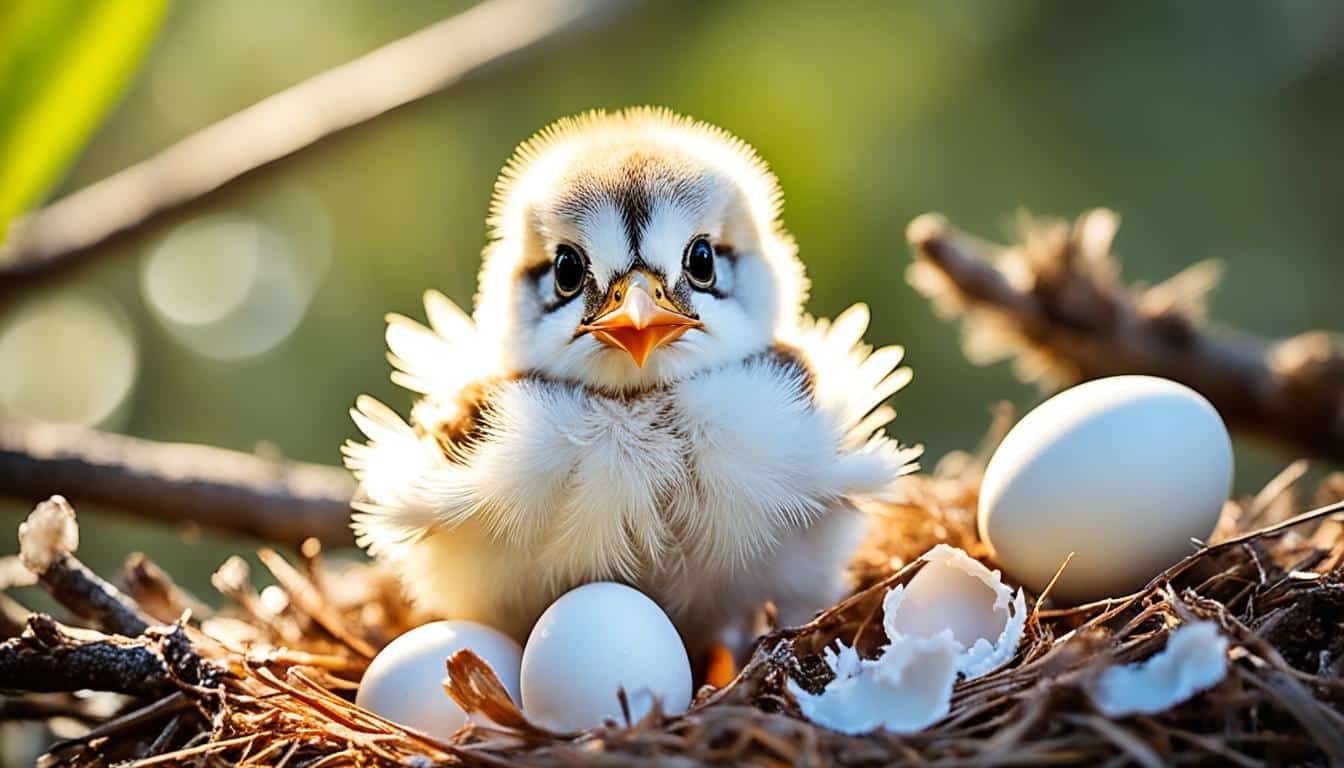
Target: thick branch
x,y
396,74
1055,302
226,490
50,657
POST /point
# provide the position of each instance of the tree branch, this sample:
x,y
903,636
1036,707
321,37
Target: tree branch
x,y
1056,303
47,541
50,657
284,503
139,659
496,31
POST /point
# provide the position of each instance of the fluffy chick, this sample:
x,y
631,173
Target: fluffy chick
x,y
637,397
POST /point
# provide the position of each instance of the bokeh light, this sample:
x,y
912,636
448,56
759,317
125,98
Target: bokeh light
x,y
204,271
231,286
69,359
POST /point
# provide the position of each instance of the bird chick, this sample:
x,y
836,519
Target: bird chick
x,y
637,397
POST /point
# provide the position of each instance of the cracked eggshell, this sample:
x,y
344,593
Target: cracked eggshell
x,y
905,689
1122,472
404,683
953,592
955,616
1194,660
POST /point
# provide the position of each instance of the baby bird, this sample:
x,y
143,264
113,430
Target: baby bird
x,y
637,397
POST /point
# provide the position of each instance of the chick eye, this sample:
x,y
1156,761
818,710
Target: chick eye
x,y
699,264
569,270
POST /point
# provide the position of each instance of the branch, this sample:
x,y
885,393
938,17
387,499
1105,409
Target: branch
x,y
396,74
139,659
1056,303
155,592
47,543
50,657
213,487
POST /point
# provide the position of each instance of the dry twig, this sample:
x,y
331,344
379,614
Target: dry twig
x,y
1056,302
47,542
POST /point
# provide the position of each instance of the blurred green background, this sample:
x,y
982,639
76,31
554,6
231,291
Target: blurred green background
x,y
255,318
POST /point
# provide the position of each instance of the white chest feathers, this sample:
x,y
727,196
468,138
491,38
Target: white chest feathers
x,y
491,508
712,470
708,473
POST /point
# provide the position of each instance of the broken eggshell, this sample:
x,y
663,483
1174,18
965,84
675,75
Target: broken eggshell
x,y
955,616
955,592
1194,660
906,688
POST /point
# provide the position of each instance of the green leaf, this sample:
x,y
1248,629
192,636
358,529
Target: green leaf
x,y
63,65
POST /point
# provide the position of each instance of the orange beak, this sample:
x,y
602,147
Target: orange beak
x,y
639,316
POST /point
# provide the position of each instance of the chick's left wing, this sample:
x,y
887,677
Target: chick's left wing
x,y
442,363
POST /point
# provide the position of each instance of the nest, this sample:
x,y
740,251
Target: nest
x,y
270,679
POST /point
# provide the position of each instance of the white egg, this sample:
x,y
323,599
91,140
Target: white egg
x,y
1122,472
404,683
592,642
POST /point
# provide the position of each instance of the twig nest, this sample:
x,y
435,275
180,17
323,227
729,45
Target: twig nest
x,y
1121,472
404,683
594,642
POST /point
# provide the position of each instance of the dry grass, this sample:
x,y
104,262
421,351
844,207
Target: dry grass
x,y
288,660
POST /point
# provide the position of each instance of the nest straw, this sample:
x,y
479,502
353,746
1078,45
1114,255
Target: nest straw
x,y
270,679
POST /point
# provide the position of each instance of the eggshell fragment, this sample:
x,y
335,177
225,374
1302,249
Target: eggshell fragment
x,y
906,688
1122,472
594,641
955,616
404,683
955,592
1194,660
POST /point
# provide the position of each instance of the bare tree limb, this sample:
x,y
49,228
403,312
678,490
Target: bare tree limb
x,y
53,238
1055,303
280,502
